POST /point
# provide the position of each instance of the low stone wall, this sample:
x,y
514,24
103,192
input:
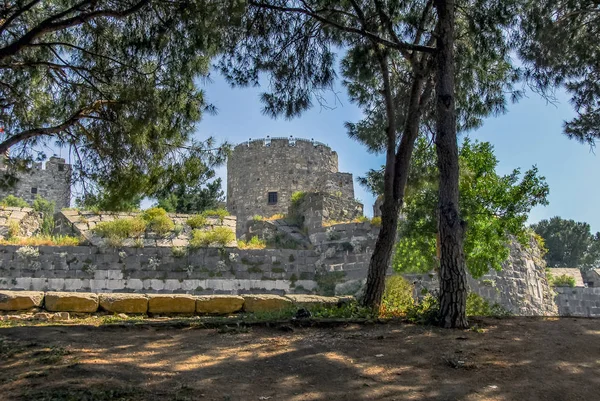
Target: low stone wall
x,y
34,301
167,270
27,219
578,301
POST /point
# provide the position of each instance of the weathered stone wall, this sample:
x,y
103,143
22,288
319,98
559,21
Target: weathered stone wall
x,y
27,219
52,183
316,209
578,301
279,165
520,287
160,270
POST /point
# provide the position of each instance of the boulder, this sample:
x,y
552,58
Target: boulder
x,y
219,304
20,300
171,303
266,303
71,302
310,301
124,303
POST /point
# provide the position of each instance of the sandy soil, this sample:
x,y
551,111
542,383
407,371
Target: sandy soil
x,y
512,359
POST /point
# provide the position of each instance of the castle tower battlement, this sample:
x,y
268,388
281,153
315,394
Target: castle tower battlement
x,y
262,175
52,183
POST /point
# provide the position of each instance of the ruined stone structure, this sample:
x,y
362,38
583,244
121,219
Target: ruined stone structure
x,y
51,182
263,174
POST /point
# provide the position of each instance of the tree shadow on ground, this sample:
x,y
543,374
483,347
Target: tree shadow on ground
x,y
513,359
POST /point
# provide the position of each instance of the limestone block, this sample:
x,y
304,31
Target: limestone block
x,y
71,302
124,303
219,304
266,303
20,300
171,303
309,301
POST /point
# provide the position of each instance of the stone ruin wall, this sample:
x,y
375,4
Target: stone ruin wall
x,y
520,287
52,183
316,209
281,165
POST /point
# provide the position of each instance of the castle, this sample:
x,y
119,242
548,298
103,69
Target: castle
x,y
52,183
262,175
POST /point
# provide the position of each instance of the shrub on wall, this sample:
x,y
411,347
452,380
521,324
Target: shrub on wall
x,y
297,197
121,229
46,208
563,280
158,221
14,201
219,236
254,243
376,221
196,221
220,213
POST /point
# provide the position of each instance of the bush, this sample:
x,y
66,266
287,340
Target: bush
x,y
158,221
254,243
563,280
297,197
426,311
121,229
14,229
196,221
13,201
220,213
397,297
46,208
219,235
362,219
257,217
376,221
479,306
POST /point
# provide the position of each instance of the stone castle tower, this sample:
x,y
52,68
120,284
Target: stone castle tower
x,y
263,174
52,183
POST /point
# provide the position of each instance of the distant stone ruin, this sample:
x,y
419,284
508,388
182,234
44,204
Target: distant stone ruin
x,y
52,182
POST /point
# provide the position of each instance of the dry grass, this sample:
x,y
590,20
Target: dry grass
x,y
43,240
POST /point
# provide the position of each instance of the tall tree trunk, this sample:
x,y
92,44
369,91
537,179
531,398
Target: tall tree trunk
x,y
395,178
453,280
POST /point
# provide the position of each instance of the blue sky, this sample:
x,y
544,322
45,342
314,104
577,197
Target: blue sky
x,y
530,133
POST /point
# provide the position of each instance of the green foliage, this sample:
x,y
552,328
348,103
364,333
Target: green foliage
x,y
196,221
219,235
479,306
157,220
297,198
120,229
46,208
192,198
220,213
425,311
559,46
562,280
179,251
43,240
494,207
254,243
13,201
257,217
14,229
376,221
570,243
115,84
397,297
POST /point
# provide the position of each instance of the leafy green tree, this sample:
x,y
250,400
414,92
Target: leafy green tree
x,y
113,83
192,199
494,207
570,243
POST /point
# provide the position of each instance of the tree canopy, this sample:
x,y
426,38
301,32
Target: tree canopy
x,y
114,84
570,243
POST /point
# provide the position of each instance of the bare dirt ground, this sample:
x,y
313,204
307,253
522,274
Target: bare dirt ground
x,y
512,359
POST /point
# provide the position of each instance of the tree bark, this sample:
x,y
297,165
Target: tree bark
x,y
395,178
453,280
